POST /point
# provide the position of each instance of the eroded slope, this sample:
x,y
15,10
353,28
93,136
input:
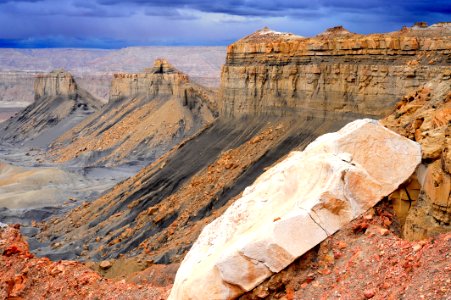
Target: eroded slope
x,y
59,105
160,211
148,113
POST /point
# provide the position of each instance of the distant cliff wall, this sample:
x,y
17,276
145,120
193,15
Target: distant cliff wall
x,y
55,83
59,105
161,79
272,72
147,114
16,88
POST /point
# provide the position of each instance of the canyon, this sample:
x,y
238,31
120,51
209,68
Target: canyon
x,y
188,157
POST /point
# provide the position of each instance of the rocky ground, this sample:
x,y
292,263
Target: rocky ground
x,y
365,260
24,276
161,211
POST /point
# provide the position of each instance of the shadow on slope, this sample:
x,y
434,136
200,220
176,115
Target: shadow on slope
x,y
159,212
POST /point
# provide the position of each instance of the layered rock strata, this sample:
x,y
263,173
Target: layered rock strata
x,y
58,101
273,72
294,206
148,113
56,83
160,212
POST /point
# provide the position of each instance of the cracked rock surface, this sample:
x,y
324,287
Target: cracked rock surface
x,y
294,206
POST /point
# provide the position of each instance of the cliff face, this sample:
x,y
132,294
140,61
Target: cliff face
x,y
56,83
58,101
159,212
425,117
272,72
148,113
161,79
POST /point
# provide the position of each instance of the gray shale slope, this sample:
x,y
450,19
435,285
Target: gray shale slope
x,y
59,105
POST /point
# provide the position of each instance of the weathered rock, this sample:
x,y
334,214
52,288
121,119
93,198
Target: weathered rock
x,y
105,264
432,213
270,72
55,83
294,206
161,79
424,116
405,197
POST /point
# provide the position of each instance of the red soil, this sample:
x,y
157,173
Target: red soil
x,y
23,276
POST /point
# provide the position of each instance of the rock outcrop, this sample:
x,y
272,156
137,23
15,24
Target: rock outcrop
x,y
273,72
59,105
365,260
56,83
425,117
161,79
148,113
294,206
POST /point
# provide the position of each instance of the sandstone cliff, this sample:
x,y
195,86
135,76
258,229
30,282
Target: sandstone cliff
x,y
273,72
56,83
424,203
59,105
148,113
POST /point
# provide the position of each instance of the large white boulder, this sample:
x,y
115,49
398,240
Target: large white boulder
x,y
294,206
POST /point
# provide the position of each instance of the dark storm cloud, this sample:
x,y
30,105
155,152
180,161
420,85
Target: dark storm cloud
x,y
7,1
231,7
264,8
110,23
250,8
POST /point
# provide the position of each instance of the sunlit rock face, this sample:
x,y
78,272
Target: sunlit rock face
x,y
294,206
424,116
273,72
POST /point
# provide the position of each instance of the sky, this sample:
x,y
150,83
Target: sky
x,y
118,23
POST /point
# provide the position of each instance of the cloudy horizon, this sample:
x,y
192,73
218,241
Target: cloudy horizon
x,y
114,24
